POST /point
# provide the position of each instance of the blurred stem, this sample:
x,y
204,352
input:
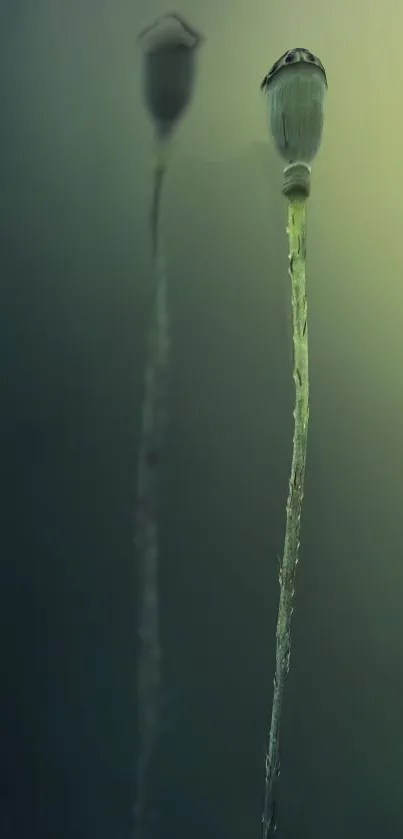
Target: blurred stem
x,y
151,444
161,155
297,252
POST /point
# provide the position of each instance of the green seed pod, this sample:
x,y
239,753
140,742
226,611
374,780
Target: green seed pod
x,y
295,88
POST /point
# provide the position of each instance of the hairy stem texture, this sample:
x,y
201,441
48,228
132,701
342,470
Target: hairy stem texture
x,y
297,252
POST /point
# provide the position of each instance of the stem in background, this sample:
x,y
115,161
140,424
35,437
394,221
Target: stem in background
x,y
154,416
297,254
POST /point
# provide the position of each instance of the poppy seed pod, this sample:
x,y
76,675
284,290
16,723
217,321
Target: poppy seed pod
x,y
170,47
295,88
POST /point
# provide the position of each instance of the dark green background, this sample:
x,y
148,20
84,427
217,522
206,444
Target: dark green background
x,y
75,277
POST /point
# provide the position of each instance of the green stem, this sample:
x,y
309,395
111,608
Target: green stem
x,y
297,244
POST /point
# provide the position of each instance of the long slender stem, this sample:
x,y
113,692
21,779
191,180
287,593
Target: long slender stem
x,y
154,416
297,252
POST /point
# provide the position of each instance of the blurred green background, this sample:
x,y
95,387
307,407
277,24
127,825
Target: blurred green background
x,y
75,274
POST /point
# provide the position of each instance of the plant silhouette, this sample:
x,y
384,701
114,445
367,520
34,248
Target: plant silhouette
x,y
169,47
